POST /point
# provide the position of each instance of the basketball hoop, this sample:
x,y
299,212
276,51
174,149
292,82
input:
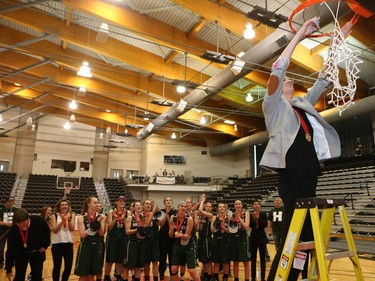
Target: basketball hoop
x,y
341,96
359,10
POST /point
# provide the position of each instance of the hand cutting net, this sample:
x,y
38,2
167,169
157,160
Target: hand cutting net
x,y
342,96
340,57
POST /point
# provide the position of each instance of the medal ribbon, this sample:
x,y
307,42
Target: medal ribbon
x,y
89,218
24,236
119,216
239,216
179,224
304,126
64,219
137,219
222,219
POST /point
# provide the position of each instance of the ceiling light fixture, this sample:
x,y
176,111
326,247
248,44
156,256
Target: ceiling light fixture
x,y
85,70
182,88
249,98
230,122
82,89
72,118
249,32
235,127
33,126
203,120
173,136
108,131
29,121
67,125
73,105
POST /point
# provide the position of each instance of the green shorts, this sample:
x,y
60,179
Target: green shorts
x,y
184,254
204,249
90,258
152,249
134,255
239,247
220,250
115,248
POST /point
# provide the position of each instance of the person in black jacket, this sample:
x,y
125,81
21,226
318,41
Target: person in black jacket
x,y
258,240
28,240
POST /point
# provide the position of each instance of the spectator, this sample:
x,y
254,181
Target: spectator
x,y
275,222
28,240
152,239
166,242
205,236
184,251
91,227
116,239
62,226
134,257
258,240
220,242
6,221
239,240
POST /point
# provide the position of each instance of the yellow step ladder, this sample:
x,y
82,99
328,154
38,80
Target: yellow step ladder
x,y
321,228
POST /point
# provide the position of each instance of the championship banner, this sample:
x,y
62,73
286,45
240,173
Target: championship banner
x,y
165,180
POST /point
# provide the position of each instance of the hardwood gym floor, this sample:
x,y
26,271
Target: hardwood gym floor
x,y
341,269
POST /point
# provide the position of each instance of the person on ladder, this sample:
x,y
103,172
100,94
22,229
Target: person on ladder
x,y
298,137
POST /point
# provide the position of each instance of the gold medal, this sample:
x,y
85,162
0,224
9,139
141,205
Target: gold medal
x,y
176,233
25,245
308,136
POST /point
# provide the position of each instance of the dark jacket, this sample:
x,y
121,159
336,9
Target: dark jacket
x,y
258,235
39,236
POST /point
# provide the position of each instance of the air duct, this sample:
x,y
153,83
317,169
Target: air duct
x,y
361,107
257,55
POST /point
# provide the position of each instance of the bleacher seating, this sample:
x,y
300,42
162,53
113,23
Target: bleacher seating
x,y
41,190
115,188
77,197
355,183
7,181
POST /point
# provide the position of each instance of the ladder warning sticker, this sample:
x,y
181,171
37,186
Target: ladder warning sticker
x,y
284,261
289,245
279,278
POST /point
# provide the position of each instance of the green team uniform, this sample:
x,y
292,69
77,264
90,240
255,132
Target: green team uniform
x,y
220,243
116,241
135,249
152,242
204,240
239,244
90,254
184,254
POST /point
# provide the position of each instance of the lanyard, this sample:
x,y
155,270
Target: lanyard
x,y
304,126
24,236
119,216
178,223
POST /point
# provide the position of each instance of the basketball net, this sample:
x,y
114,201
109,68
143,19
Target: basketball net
x,y
341,96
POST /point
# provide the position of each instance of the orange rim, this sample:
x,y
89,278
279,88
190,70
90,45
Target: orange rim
x,y
311,2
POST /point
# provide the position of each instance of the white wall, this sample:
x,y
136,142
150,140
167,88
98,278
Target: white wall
x,y
54,142
200,165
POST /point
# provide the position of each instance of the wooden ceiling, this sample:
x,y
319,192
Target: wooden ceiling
x,y
151,46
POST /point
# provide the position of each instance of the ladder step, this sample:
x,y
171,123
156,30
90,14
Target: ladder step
x,y
339,255
308,245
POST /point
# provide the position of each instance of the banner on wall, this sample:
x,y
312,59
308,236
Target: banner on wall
x,y
165,180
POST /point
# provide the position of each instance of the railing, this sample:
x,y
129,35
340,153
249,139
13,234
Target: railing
x,y
351,199
364,185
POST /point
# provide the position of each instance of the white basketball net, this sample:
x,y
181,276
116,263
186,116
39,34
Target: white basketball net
x,y
342,95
